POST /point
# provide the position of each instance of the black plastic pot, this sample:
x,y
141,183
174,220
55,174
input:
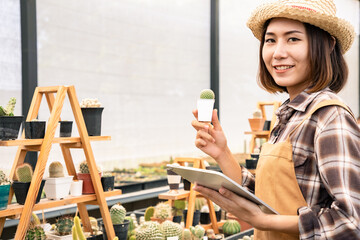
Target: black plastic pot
x,y
92,118
187,184
21,189
267,125
35,129
251,163
107,183
196,218
205,217
10,126
97,237
65,128
120,230
177,219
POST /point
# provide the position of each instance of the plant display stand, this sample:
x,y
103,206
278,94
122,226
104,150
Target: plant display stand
x,y
263,134
55,104
191,195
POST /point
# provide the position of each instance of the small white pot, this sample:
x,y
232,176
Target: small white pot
x,y
51,235
57,188
76,188
205,108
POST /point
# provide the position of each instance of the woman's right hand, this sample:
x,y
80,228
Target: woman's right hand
x,y
210,138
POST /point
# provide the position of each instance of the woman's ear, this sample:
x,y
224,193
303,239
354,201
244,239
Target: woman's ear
x,y
333,43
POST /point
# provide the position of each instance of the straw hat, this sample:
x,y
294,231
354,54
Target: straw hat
x,y
320,13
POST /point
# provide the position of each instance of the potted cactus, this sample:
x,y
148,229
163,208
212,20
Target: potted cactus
x,y
65,128
57,185
121,225
171,230
162,212
22,183
205,105
4,190
85,176
62,229
35,129
149,230
231,227
35,232
198,232
107,182
96,233
9,124
177,210
257,121
92,111
199,203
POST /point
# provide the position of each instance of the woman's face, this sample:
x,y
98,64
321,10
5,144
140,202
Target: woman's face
x,y
286,54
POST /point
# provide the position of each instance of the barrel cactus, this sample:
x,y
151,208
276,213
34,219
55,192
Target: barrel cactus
x,y
63,225
207,94
198,231
84,168
56,170
187,234
3,179
149,231
117,213
162,211
35,232
24,173
231,227
171,229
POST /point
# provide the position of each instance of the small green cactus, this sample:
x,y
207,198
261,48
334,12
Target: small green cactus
x,y
84,168
231,227
207,94
198,231
162,211
77,231
199,203
56,170
24,173
171,229
63,225
149,212
9,109
117,213
35,232
149,231
3,179
187,234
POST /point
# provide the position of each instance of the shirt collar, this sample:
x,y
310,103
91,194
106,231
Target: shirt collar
x,y
303,100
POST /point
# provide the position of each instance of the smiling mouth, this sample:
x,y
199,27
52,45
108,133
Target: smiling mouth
x,y
283,67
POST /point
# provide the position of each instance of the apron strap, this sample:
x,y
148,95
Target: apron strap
x,y
317,107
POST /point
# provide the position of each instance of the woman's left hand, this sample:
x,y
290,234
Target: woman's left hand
x,y
233,203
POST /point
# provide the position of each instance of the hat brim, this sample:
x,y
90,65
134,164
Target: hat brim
x,y
339,28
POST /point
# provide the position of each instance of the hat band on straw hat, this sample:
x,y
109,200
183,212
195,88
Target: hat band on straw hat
x,y
320,13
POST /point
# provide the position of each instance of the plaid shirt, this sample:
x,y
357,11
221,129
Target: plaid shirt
x,y
326,155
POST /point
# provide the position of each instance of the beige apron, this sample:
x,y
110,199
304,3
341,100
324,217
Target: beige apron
x,y
276,183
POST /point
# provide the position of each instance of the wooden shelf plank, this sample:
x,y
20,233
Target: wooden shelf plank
x,y
14,209
259,133
37,142
182,194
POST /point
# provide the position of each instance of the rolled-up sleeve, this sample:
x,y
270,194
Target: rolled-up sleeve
x,y
337,148
248,180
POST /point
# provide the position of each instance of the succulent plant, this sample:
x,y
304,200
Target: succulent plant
x,y
84,168
149,231
77,231
187,234
171,229
207,94
56,170
35,232
63,225
131,226
257,113
90,103
199,203
24,173
94,226
231,227
162,210
9,109
3,179
149,212
198,231
117,213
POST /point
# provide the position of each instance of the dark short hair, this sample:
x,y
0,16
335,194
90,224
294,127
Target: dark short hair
x,y
327,63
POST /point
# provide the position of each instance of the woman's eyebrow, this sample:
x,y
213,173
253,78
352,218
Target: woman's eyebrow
x,y
286,33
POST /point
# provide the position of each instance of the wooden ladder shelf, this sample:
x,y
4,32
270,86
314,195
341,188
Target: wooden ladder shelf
x,y
55,104
192,195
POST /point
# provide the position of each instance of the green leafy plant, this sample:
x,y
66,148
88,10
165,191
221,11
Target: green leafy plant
x,y
9,109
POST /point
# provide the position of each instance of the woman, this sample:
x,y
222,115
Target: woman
x,y
310,169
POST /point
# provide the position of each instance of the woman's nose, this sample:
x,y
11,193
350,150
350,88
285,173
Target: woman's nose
x,y
280,51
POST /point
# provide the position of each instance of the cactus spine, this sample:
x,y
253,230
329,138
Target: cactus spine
x,y
56,170
35,232
84,168
24,173
198,231
117,213
162,210
63,225
171,229
207,94
231,227
149,231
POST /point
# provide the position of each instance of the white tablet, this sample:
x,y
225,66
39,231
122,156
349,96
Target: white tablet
x,y
215,180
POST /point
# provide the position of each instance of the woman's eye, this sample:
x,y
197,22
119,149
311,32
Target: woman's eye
x,y
269,40
293,39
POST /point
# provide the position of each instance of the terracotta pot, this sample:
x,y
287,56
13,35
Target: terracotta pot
x,y
87,183
256,124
